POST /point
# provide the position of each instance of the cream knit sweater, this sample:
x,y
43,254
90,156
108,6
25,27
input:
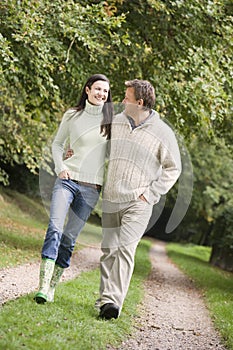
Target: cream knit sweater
x,y
82,129
145,160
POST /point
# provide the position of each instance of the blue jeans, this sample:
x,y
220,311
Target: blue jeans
x,y
77,201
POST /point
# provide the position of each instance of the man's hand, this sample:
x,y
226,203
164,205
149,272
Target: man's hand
x,y
64,175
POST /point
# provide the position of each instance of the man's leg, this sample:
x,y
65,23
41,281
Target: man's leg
x,y
119,245
110,242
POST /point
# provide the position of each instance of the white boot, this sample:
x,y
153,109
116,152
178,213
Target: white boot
x,y
46,272
57,273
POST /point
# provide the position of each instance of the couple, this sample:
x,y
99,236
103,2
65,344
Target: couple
x,y
144,163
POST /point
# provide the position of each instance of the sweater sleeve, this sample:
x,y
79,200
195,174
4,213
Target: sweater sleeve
x,y
170,171
59,144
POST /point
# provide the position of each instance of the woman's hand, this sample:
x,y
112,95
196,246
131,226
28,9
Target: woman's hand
x,y
64,175
142,198
69,153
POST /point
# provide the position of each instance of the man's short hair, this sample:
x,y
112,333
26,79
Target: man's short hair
x,y
143,90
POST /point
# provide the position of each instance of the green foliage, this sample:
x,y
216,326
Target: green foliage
x,y
222,232
185,49
216,286
47,51
210,212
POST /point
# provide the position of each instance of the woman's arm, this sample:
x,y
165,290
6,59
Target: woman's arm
x,y
58,145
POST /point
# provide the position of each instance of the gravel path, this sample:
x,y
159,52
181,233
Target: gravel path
x,y
24,279
172,316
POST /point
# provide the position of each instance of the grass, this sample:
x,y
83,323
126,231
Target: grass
x,y
22,228
216,285
71,322
23,225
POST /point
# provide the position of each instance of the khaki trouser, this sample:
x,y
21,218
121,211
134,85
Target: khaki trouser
x,y
123,228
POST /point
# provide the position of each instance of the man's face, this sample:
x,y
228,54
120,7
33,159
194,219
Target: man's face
x,y
131,104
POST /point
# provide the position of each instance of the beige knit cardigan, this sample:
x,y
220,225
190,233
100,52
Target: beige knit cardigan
x,y
145,160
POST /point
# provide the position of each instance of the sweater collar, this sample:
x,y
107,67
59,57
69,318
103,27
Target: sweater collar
x,y
148,120
92,109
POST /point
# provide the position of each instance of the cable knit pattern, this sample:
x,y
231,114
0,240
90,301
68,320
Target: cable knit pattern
x,y
82,129
145,160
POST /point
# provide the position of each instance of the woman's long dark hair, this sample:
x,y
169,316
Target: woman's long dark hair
x,y
105,127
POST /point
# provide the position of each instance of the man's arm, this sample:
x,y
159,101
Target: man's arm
x,y
170,172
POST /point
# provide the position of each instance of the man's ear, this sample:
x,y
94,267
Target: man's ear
x,y
140,102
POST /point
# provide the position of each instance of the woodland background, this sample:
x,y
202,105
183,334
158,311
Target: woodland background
x,y
48,49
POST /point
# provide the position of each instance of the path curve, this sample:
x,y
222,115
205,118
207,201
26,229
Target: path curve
x,y
173,315
23,279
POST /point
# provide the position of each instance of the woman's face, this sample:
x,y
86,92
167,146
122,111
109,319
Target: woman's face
x,y
98,92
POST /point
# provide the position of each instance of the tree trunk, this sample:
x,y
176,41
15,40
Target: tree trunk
x,y
222,257
204,239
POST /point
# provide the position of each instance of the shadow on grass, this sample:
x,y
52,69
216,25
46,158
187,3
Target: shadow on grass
x,y
203,273
142,262
29,205
22,242
188,257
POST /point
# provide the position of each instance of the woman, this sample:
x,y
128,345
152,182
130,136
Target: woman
x,y
87,128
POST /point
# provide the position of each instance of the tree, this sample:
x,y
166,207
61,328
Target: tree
x,y
47,51
183,48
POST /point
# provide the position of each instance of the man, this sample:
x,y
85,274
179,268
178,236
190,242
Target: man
x,y
144,164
